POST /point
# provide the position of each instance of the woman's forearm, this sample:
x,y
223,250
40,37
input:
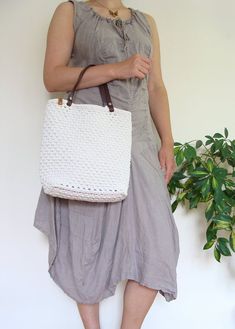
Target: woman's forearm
x,y
63,78
160,112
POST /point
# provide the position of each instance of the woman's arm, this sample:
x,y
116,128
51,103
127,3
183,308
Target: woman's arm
x,y
159,105
57,75
158,99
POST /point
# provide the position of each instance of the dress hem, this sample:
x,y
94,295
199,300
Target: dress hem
x,y
168,294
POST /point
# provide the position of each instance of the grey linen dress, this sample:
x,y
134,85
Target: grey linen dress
x,y
94,245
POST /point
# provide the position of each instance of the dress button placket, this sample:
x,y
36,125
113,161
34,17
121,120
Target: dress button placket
x,y
121,30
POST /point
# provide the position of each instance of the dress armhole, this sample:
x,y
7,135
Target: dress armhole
x,y
75,25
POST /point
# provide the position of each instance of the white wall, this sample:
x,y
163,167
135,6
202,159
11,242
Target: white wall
x,y
198,51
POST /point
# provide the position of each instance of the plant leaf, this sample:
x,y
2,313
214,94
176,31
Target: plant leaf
x,y
209,141
232,240
174,205
198,143
215,183
210,232
189,152
193,202
199,172
219,173
179,157
209,244
205,188
218,135
224,217
217,254
181,196
209,164
222,246
226,132
209,210
218,196
221,225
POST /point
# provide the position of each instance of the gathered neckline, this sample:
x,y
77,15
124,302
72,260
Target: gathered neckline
x,y
109,19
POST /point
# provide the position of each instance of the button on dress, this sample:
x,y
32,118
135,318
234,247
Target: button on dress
x,y
95,245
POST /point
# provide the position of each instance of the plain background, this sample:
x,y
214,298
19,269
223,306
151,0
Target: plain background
x,y
198,50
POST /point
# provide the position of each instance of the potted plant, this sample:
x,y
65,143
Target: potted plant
x,y
205,174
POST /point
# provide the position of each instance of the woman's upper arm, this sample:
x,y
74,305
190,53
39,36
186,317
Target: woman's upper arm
x,y
155,75
60,38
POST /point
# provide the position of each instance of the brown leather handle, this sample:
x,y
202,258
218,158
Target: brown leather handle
x,y
103,88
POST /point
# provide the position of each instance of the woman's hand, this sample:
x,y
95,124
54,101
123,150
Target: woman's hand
x,y
167,160
136,66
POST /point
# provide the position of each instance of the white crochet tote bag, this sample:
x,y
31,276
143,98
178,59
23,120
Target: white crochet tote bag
x,y
85,151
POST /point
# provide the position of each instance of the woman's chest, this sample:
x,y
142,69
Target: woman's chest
x,y
111,41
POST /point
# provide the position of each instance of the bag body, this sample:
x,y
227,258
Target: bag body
x,y
85,151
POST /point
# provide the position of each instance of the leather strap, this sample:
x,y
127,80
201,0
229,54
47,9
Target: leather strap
x,y
103,88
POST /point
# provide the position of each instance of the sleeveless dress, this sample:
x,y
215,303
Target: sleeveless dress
x,y
94,245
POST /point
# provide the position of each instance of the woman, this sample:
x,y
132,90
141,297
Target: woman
x,y
93,246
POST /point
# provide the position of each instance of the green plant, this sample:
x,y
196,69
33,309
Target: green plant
x,y
205,174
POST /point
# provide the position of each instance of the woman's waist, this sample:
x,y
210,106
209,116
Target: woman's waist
x,y
123,96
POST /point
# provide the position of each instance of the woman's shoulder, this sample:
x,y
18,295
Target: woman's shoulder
x,y
69,5
71,10
150,22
